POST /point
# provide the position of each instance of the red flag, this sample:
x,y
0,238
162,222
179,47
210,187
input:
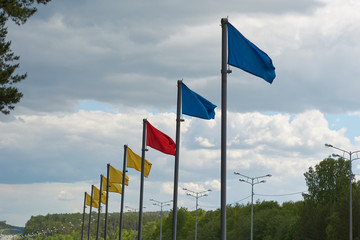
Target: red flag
x,y
159,140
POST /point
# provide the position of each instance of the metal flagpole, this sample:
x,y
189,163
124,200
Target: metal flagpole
x,y
224,73
83,218
91,202
143,149
98,223
176,170
122,193
107,200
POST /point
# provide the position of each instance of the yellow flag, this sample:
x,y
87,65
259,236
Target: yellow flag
x,y
95,204
134,161
96,193
116,176
113,187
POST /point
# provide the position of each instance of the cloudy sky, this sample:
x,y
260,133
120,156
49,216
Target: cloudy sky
x,y
96,70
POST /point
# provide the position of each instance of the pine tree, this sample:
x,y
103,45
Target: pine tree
x,y
18,11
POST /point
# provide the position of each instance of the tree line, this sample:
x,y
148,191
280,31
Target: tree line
x,y
322,214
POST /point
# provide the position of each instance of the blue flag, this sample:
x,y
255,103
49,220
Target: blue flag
x,y
195,105
245,55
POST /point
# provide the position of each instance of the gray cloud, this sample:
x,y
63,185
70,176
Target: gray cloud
x,y
111,52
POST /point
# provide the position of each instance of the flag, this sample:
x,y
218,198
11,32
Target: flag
x,y
116,176
159,140
96,193
134,161
195,105
245,55
95,204
113,187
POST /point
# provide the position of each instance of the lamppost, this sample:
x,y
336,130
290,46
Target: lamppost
x,y
252,183
350,159
196,195
161,204
133,209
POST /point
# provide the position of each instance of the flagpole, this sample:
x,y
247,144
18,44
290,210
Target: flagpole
x,y
83,218
98,223
122,192
143,149
91,202
177,152
224,72
107,200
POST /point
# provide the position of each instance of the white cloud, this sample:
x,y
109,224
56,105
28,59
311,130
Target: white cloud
x,y
168,187
91,139
309,129
214,184
26,200
65,196
204,142
75,147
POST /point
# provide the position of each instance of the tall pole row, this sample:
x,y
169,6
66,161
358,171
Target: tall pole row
x,y
123,193
98,222
91,203
143,149
177,153
107,200
83,218
224,73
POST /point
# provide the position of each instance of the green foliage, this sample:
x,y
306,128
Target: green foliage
x,y
18,11
271,221
209,227
70,225
327,181
9,95
324,214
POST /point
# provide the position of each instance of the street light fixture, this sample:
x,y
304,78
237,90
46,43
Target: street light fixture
x,y
252,183
134,210
196,195
350,159
161,205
